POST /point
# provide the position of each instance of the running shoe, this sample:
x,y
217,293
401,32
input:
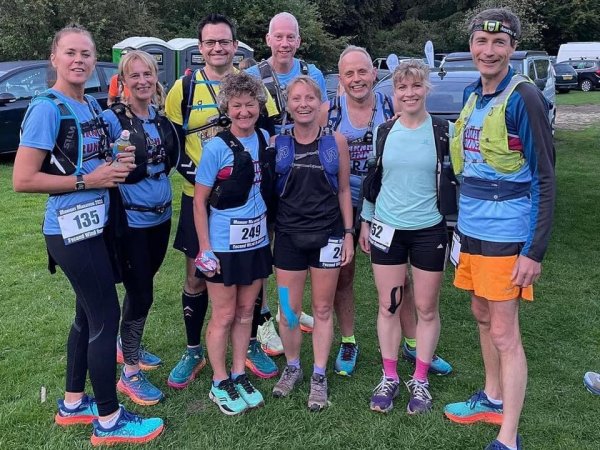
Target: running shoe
x,y
420,397
345,363
146,360
317,399
129,429
591,381
290,378
139,389
438,365
258,362
190,364
269,339
384,393
248,392
227,398
307,323
477,409
84,414
497,445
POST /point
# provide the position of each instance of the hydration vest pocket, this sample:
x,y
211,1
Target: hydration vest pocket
x,y
233,192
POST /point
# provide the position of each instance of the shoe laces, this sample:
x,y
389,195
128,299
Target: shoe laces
x,y
129,417
288,373
476,398
245,383
229,387
386,387
318,384
348,351
419,390
142,381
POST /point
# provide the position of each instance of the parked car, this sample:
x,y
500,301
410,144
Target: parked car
x,y
20,81
566,77
588,73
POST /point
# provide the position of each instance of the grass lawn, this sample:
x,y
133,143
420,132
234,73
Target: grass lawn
x,y
578,98
560,332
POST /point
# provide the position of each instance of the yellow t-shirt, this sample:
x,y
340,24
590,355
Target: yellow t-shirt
x,y
203,111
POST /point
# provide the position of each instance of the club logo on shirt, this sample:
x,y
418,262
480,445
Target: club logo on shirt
x,y
471,139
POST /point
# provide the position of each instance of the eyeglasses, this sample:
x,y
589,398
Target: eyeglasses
x,y
224,43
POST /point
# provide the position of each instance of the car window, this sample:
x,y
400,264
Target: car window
x,y
108,73
541,67
26,84
93,83
531,70
446,96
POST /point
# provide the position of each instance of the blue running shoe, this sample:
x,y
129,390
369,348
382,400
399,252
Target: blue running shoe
x,y
591,381
146,360
248,392
129,429
438,365
477,409
259,362
190,364
497,445
84,414
345,363
227,398
139,389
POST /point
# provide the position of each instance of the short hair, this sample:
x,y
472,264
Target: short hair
x,y
215,19
70,28
306,80
139,55
353,48
413,68
284,15
503,15
237,84
246,63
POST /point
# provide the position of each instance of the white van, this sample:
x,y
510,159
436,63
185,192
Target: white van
x,y
578,50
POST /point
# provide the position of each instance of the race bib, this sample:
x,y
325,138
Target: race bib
x,y
331,255
247,233
381,235
82,221
455,249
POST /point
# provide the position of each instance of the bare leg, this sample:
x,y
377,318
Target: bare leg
x,y
426,299
344,299
323,283
294,280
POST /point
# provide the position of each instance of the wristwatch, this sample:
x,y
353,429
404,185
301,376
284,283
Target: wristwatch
x,y
349,230
80,184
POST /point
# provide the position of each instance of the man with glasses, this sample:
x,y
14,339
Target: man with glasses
x,y
192,106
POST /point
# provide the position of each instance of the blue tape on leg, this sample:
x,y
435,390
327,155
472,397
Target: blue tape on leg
x,y
286,308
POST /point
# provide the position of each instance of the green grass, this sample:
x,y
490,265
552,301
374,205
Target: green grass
x,y
560,333
578,98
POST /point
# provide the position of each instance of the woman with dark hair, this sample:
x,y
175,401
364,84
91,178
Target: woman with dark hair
x,y
235,256
61,153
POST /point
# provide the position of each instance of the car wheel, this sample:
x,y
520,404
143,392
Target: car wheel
x,y
586,85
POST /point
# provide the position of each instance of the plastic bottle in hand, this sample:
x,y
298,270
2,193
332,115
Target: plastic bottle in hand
x,y
121,144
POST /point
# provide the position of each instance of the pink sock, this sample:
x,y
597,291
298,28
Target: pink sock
x,y
421,370
389,369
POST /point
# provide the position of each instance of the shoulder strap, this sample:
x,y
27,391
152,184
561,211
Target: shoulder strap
x,y
334,114
186,99
441,129
232,142
388,106
303,67
382,134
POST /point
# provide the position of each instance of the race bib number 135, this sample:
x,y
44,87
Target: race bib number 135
x,y
82,221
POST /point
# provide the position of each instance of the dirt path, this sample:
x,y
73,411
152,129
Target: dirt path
x,y
570,117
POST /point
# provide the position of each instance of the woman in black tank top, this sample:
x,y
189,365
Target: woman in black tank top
x,y
313,231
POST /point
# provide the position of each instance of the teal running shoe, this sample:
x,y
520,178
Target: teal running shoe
x,y
248,392
477,409
146,360
190,364
84,414
497,445
129,429
139,389
259,362
438,365
345,363
227,398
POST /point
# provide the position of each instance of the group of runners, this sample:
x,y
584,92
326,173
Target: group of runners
x,y
266,158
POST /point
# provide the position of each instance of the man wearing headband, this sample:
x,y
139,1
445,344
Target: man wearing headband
x,y
504,152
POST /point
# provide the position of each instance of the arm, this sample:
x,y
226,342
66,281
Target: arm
x,y
344,197
201,194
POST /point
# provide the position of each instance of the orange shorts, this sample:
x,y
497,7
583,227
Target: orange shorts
x,y
488,276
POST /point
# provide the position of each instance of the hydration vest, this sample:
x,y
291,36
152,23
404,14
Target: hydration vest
x,y
493,138
286,159
334,115
167,151
66,158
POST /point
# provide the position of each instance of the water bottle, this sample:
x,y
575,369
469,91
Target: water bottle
x,y
123,142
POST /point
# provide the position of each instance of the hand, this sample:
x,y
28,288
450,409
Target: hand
x,y
347,249
127,156
109,175
526,272
363,240
207,263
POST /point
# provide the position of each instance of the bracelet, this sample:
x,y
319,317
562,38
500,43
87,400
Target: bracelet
x,y
349,230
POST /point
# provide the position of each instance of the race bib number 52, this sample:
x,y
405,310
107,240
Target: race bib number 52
x,y
381,235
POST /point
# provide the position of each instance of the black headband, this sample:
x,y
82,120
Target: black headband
x,y
494,26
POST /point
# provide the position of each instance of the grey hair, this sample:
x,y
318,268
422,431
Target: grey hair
x,y
237,84
354,48
284,15
413,68
503,15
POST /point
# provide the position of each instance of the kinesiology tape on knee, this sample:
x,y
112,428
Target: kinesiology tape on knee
x,y
395,304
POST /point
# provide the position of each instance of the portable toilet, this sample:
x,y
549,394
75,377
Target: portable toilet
x,y
188,54
161,50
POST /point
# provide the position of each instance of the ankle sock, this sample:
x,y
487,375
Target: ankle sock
x,y
110,422
421,369
389,369
318,370
216,382
493,401
234,376
349,340
73,405
130,372
294,363
411,342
